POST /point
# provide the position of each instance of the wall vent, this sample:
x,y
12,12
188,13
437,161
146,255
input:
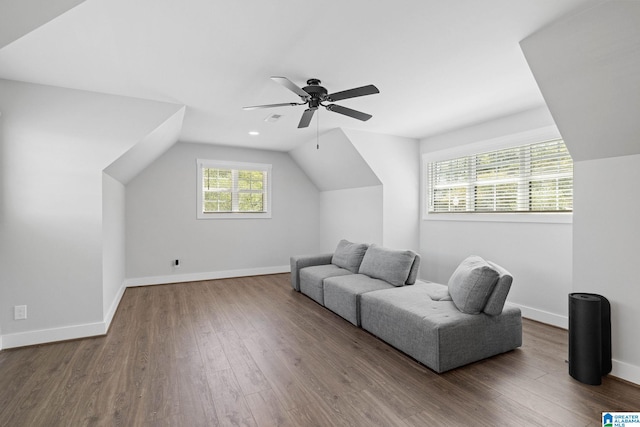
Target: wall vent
x,y
272,118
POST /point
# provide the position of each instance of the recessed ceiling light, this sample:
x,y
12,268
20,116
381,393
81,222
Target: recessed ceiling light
x,y
254,133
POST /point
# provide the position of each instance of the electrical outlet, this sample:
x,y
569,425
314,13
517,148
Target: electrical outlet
x,y
19,312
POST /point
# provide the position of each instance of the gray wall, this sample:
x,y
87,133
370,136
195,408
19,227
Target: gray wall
x,y
354,214
162,226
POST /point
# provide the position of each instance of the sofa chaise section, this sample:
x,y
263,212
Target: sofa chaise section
x,y
434,331
448,326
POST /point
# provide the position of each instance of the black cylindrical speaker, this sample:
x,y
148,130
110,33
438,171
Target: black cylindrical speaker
x,y
589,337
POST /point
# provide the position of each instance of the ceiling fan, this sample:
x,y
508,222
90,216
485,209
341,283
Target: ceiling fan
x,y
315,96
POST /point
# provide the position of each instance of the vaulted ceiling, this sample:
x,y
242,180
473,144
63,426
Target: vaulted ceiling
x,y
439,65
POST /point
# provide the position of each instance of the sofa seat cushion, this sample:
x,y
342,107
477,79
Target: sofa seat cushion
x,y
436,333
435,291
349,255
390,265
342,294
311,279
472,283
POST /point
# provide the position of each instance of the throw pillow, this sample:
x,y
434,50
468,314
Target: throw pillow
x,y
349,255
471,284
390,265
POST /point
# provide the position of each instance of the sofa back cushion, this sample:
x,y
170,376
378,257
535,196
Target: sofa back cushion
x,y
471,284
349,255
496,301
392,266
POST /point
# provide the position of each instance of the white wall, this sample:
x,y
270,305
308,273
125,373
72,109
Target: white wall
x,y
55,144
539,255
162,225
113,244
354,214
395,161
2,203
606,249
586,66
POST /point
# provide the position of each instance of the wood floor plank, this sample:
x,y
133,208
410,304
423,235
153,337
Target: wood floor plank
x,y
252,352
248,374
231,407
287,386
267,410
510,386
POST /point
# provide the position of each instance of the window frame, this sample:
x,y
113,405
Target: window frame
x,y
543,134
201,164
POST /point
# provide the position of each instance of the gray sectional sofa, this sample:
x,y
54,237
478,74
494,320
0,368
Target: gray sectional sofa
x,y
441,326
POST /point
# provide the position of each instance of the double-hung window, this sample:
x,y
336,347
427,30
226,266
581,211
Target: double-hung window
x,y
233,190
535,178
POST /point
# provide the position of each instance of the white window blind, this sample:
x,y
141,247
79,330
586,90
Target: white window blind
x,y
233,190
528,178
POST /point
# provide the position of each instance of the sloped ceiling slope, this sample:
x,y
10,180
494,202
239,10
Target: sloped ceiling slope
x,y
20,17
333,163
587,67
99,128
439,65
147,150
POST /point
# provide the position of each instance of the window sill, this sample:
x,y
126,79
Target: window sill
x,y
549,218
237,215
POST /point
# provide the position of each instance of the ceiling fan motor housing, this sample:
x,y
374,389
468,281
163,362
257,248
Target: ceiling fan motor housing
x,y
318,93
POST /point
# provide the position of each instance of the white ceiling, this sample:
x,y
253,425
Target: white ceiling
x,y
439,64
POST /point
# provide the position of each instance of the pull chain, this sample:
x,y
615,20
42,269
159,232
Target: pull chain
x,y
318,130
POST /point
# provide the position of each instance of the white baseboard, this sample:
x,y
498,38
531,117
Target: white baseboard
x,y
543,316
626,371
42,336
211,275
114,307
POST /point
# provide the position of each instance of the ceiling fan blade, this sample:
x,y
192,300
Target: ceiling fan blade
x,y
349,112
284,104
352,93
291,86
306,117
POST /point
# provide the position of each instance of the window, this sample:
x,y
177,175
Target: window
x,y
233,190
535,177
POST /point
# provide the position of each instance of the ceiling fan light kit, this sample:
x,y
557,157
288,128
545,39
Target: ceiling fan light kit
x,y
313,95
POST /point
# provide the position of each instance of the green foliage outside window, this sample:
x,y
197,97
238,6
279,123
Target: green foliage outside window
x,y
230,190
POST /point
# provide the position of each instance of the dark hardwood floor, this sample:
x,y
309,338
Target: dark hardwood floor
x,y
252,352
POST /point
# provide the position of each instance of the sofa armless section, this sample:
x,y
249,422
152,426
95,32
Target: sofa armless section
x,y
312,279
342,294
302,261
436,333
